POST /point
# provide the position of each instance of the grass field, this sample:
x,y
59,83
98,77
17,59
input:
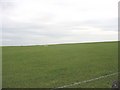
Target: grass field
x,y
58,65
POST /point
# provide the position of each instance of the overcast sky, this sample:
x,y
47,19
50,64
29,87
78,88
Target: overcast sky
x,y
36,22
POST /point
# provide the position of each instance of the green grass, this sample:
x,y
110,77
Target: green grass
x,y
0,67
57,65
101,83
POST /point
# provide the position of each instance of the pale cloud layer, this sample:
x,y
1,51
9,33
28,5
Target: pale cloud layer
x,y
31,22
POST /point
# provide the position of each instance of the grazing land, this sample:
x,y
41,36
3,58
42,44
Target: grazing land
x,y
58,65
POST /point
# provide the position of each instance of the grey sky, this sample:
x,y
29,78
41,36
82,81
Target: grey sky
x,y
31,22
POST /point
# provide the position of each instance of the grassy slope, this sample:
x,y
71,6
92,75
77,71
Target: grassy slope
x,y
58,65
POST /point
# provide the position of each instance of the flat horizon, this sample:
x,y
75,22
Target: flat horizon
x,y
60,43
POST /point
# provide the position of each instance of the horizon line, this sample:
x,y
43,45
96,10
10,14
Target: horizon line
x,y
59,43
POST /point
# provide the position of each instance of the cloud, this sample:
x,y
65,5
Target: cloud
x,y
28,22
